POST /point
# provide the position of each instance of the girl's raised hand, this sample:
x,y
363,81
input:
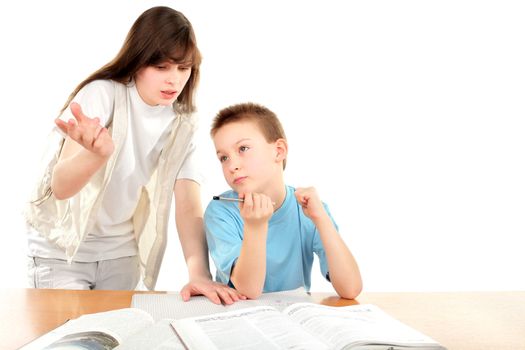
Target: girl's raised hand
x,y
87,132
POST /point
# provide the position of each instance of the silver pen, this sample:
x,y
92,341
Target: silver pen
x,y
219,198
228,199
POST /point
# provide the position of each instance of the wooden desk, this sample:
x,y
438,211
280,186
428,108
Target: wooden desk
x,y
459,321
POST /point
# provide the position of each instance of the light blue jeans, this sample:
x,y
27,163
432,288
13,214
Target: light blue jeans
x,y
122,273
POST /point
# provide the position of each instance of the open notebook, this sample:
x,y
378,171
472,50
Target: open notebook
x,y
171,305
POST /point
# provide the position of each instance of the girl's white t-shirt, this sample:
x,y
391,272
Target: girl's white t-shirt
x,y
148,129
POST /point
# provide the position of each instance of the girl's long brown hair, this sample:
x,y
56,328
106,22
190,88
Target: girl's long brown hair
x,y
159,34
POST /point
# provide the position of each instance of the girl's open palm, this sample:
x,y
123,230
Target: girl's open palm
x,y
87,132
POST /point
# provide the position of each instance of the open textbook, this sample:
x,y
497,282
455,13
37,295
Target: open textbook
x,y
301,326
285,320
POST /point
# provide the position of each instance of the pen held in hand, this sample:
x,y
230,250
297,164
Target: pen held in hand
x,y
228,199
219,198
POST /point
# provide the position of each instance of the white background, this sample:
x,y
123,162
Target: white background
x,y
408,117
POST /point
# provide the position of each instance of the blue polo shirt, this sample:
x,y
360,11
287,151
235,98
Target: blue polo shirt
x,y
290,246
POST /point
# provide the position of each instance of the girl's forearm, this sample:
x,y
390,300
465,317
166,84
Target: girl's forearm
x,y
194,247
71,174
198,266
188,218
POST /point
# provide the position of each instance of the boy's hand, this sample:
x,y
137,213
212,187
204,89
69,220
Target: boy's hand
x,y
311,203
87,132
256,209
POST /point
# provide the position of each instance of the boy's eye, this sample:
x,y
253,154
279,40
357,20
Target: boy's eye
x,y
243,149
222,159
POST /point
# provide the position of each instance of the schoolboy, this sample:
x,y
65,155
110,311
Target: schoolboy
x,y
266,242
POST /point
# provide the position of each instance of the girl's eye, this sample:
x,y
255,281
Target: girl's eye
x,y
161,67
222,159
243,149
185,68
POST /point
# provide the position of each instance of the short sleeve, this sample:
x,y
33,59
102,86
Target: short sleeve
x,y
192,167
319,249
223,226
96,100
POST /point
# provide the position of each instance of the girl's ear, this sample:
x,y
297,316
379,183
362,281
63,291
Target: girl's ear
x,y
281,147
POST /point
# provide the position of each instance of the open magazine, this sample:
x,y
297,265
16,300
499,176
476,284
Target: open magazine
x,y
301,326
129,328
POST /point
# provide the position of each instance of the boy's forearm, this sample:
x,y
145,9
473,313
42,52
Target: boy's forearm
x,y
249,272
343,268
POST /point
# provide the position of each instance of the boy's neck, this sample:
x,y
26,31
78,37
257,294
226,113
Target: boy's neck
x,y
278,195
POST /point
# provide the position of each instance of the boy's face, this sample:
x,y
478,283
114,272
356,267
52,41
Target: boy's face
x,y
249,162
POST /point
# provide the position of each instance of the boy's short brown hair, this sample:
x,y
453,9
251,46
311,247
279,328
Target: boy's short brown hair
x,y
267,121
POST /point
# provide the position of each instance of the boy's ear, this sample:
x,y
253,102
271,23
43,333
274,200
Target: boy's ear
x,y
281,146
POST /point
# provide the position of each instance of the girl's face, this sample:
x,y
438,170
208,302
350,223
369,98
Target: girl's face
x,y
161,84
